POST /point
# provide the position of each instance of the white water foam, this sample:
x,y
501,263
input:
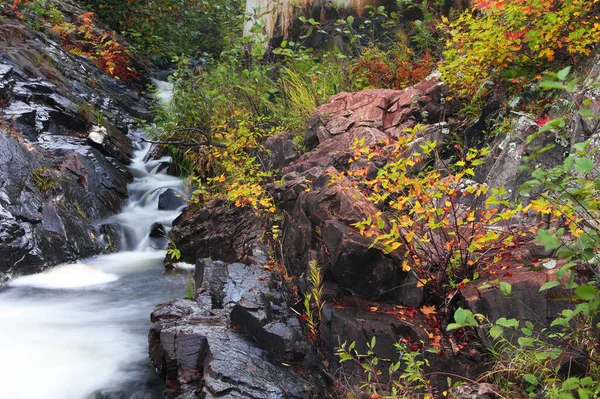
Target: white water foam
x,y
66,276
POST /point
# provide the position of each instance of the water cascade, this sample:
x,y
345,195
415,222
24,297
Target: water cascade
x,y
80,330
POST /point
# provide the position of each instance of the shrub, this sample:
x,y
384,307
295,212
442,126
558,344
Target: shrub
x,y
165,28
448,225
104,51
505,40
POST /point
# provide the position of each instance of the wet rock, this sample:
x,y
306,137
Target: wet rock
x,y
199,355
157,230
54,181
111,142
219,231
169,200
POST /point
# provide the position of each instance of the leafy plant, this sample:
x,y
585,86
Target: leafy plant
x,y
504,41
103,50
313,301
383,378
446,226
42,179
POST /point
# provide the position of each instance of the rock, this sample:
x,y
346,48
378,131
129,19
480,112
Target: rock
x,y
169,200
350,258
157,230
281,151
111,142
381,109
508,168
525,303
352,319
475,391
60,169
219,231
206,348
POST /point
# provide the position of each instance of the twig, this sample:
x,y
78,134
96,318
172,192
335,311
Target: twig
x,y
207,143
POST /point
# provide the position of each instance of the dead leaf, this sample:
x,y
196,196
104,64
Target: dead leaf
x,y
428,310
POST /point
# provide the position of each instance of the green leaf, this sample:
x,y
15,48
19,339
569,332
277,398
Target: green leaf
x,y
551,84
586,292
547,239
570,383
584,165
496,331
350,20
586,112
549,284
582,393
525,342
530,378
505,288
563,73
507,322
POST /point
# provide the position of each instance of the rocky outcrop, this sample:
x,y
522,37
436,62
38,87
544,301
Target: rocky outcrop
x,y
321,205
219,231
230,340
64,147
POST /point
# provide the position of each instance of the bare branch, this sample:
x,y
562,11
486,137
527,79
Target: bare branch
x,y
207,143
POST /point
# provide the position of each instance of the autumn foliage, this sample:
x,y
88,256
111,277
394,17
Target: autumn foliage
x,y
448,226
103,50
506,40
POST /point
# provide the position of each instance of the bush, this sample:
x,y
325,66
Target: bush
x,y
503,41
448,226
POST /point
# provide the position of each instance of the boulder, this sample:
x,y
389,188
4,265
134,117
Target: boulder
x,y
281,151
525,303
169,200
227,343
219,231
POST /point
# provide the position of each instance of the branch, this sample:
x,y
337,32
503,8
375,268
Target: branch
x,y
207,143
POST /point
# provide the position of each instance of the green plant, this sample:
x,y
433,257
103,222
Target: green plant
x,y
313,301
43,179
506,41
189,288
165,28
173,252
404,379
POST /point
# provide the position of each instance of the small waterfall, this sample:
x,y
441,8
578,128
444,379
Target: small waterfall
x,y
141,211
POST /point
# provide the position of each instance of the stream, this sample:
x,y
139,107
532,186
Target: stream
x,y
80,331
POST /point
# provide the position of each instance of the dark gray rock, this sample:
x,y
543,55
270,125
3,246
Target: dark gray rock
x,y
281,151
219,231
157,230
199,355
169,200
55,183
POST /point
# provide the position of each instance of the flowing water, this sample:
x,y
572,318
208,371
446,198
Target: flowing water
x,y
80,331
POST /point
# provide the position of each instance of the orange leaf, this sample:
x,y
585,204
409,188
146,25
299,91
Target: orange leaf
x,y
428,310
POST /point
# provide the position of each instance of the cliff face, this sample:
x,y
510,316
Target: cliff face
x,y
64,145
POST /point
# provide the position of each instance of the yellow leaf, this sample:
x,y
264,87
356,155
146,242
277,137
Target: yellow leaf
x,y
409,236
405,266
